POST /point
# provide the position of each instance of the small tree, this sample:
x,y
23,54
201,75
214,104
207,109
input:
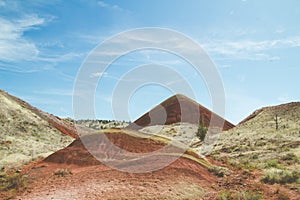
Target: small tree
x,y
276,121
202,129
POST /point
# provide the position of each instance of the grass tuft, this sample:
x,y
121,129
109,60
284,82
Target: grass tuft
x,y
62,172
239,195
281,177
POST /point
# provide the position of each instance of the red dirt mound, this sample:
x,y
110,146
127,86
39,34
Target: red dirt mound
x,y
77,153
73,173
90,179
178,108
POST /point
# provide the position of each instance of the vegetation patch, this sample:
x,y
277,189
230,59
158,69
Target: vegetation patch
x,y
10,184
272,164
290,158
202,130
281,177
63,172
219,171
239,195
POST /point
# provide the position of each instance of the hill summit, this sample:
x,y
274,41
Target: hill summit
x,y
178,108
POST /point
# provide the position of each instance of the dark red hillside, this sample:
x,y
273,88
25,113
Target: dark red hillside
x,y
177,108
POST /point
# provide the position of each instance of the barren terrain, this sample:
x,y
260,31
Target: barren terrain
x,y
257,159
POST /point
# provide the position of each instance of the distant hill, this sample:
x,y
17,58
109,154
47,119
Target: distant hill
x,y
170,112
259,130
27,132
288,117
258,143
101,124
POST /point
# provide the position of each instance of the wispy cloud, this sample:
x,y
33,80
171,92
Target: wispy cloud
x,y
2,3
13,45
98,74
21,54
250,49
284,98
40,101
55,92
61,57
109,6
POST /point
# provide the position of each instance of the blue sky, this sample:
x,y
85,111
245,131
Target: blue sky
x,y
254,44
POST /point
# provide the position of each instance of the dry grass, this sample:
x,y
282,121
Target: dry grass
x,y
239,195
24,135
281,176
11,184
256,144
63,172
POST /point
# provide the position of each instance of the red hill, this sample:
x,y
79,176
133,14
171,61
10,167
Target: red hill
x,y
177,108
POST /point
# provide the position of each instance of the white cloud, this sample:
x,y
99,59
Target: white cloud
x,y
13,45
15,48
110,6
55,92
250,49
2,3
107,98
98,74
284,98
60,58
103,4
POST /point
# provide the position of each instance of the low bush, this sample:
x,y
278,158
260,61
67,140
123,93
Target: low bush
x,y
62,172
290,158
272,164
12,182
283,197
219,171
239,195
224,195
281,177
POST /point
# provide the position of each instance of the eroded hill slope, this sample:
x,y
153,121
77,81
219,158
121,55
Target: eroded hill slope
x,y
27,133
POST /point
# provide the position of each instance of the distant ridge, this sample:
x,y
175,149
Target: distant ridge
x,y
63,126
280,110
177,108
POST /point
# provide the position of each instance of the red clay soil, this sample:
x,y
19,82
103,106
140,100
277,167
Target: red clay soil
x,y
90,179
178,108
76,152
173,182
245,180
101,182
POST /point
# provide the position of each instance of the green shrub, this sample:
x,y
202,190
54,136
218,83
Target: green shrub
x,y
248,195
290,157
272,163
219,171
202,130
283,197
15,181
224,195
254,156
239,195
281,177
63,172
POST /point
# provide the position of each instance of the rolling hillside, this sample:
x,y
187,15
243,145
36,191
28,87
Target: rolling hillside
x,y
27,133
269,141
